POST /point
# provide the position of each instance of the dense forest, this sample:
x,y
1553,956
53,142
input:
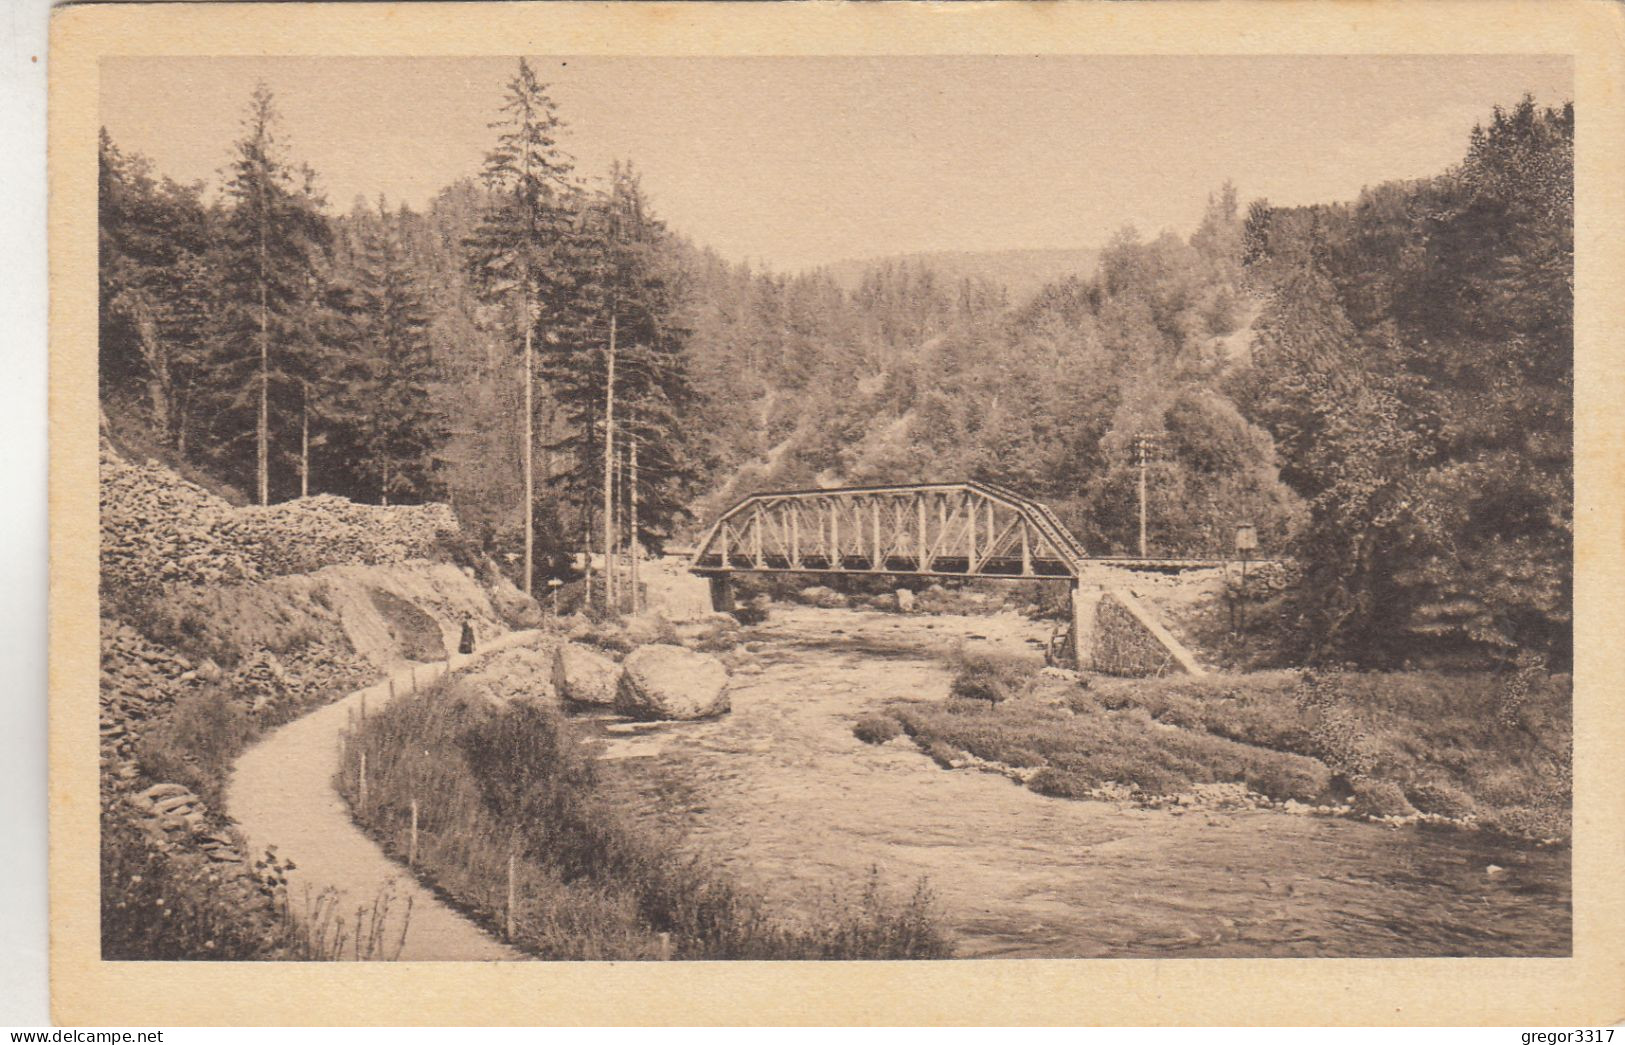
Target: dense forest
x,y
1382,386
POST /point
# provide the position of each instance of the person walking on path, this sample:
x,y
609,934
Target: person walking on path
x,y
466,646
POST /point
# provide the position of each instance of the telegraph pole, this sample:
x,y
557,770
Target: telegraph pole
x,y
632,495
1143,443
609,475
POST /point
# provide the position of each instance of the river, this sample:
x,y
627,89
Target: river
x,y
782,793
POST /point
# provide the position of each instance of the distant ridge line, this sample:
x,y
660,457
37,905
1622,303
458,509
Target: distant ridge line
x,y
1022,271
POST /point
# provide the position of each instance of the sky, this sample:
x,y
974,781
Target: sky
x,y
794,162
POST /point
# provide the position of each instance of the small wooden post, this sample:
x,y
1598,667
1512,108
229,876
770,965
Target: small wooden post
x,y
509,926
412,847
362,785
363,710
414,678
392,687
665,947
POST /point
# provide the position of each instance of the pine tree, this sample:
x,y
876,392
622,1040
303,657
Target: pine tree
x,y
272,252
155,288
515,255
389,401
624,288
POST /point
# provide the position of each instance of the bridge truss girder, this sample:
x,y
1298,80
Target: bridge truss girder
x,y
929,530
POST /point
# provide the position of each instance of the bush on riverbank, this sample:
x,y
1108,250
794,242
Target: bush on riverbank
x,y
1493,748
591,884
992,675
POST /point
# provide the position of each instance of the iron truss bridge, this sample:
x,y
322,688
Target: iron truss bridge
x,y
932,529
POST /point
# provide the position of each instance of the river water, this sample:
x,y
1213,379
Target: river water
x,y
783,794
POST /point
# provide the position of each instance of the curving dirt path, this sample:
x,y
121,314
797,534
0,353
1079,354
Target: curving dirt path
x,y
281,794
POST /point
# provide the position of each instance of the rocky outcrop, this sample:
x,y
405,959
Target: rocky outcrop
x,y
512,605
583,676
905,601
645,628
670,682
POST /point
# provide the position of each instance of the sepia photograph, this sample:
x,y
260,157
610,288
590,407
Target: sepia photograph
x,y
572,507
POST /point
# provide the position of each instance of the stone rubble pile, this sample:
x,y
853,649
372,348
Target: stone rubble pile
x,y
139,681
157,528
171,814
305,535
313,673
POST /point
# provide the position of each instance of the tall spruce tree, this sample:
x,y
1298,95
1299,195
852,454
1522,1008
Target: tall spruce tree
x,y
155,289
396,427
626,287
272,254
517,254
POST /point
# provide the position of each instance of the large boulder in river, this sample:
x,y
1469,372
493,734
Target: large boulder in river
x,y
583,676
645,628
905,600
520,673
670,682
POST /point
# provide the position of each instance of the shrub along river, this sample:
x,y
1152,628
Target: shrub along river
x,y
786,797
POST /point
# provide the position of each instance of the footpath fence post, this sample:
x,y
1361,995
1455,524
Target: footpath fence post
x,y
361,785
412,847
392,687
509,926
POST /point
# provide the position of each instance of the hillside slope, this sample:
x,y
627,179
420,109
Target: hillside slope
x,y
218,624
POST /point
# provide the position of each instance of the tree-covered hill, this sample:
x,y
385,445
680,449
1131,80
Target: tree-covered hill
x,y
1382,387
1022,272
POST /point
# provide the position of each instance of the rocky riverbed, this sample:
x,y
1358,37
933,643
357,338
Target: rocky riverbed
x,y
790,800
